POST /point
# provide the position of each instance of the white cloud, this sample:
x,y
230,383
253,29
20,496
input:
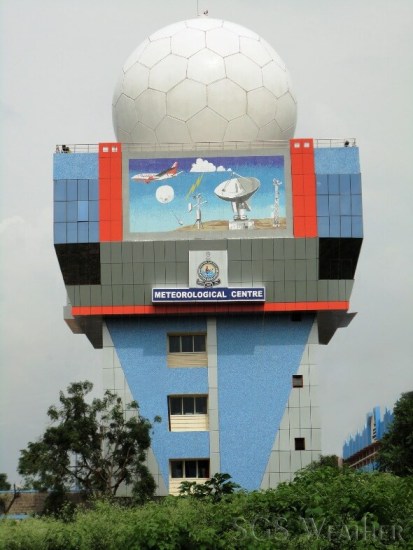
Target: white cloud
x,y
203,165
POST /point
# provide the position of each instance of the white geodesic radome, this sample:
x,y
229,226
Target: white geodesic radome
x,y
203,80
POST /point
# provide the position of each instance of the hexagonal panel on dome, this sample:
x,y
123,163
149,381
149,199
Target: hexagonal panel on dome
x,y
124,113
275,79
286,115
171,130
227,99
143,134
206,66
204,23
155,51
187,42
243,71
136,80
167,31
186,99
207,126
222,41
135,55
254,50
118,91
168,73
262,106
122,136
270,132
240,30
151,107
241,129
274,55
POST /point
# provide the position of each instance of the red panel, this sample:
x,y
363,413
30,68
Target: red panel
x,y
205,308
299,227
110,191
310,205
296,165
308,162
104,210
311,227
298,185
299,206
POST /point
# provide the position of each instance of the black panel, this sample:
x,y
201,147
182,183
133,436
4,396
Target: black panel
x,y
338,257
79,263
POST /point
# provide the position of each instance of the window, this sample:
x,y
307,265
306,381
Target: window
x,y
182,469
188,413
187,350
298,381
187,343
299,443
192,404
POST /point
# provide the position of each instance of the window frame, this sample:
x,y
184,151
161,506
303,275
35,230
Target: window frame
x,y
194,396
183,462
182,335
297,378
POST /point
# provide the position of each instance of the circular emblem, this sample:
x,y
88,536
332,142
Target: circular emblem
x,y
208,273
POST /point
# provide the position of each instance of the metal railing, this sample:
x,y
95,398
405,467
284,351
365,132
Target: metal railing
x,y
204,146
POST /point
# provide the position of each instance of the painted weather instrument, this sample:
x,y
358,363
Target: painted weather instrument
x,y
170,172
237,191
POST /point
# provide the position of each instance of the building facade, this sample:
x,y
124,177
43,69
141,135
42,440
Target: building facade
x,y
360,450
212,328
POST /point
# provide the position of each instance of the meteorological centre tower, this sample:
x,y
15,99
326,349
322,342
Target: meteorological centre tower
x,y
209,252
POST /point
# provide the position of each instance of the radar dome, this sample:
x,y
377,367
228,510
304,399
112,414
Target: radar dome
x,y
203,80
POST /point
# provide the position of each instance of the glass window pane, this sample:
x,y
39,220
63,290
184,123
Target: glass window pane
x,y
190,468
177,469
201,405
203,468
188,405
187,343
199,342
174,344
175,404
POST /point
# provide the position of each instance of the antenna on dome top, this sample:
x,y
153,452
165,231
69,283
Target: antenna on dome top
x,y
205,12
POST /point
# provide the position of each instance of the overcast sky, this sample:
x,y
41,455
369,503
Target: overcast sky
x,y
351,64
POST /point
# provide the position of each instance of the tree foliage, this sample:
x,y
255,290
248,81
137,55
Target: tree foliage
x,y
4,484
214,488
396,446
90,446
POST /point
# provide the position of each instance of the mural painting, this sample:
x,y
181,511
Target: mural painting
x,y
207,194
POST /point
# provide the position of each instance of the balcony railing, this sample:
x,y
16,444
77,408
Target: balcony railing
x,y
204,146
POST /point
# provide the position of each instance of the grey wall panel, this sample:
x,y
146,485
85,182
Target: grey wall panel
x,y
107,298
256,249
127,274
105,254
257,271
159,251
137,252
148,252
148,272
127,295
300,249
267,249
127,252
170,272
246,253
117,278
268,270
234,272
116,253
234,249
95,295
85,295
182,249
170,251
137,273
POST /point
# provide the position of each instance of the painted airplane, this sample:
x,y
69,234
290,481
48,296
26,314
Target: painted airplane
x,y
164,175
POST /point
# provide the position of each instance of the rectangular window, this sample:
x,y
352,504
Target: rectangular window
x,y
298,381
194,469
188,413
299,443
187,350
187,343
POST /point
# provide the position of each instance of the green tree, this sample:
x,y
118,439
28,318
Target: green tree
x,y
396,446
4,484
90,446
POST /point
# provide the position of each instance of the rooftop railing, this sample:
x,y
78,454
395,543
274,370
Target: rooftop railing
x,y
204,146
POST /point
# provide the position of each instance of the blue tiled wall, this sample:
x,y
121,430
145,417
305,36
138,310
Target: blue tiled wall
x,y
141,346
256,360
76,198
339,205
76,211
